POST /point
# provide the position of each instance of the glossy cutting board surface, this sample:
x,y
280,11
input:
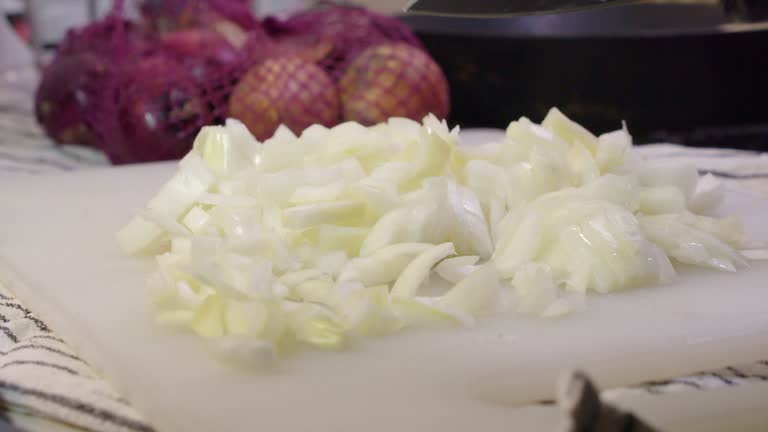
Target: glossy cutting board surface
x,y
58,254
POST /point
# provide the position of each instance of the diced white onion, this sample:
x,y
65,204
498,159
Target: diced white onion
x,y
336,234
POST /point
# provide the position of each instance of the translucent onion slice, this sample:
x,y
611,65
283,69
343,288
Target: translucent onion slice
x,y
417,271
457,268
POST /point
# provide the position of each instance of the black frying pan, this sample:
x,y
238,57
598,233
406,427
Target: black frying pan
x,y
672,72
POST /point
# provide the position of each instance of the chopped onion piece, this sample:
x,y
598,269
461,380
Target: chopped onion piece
x,y
348,239
209,319
569,130
612,149
469,230
474,294
195,219
690,245
315,325
338,212
707,195
295,278
383,266
245,318
670,173
583,165
457,268
387,231
177,196
417,271
313,194
661,199
331,263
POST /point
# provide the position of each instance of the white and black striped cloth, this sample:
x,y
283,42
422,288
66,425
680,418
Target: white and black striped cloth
x,y
42,379
40,376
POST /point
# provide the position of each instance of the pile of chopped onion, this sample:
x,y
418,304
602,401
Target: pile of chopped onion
x,y
358,231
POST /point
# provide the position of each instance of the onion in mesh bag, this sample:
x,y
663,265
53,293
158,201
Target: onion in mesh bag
x,y
158,112
393,80
77,75
284,90
64,96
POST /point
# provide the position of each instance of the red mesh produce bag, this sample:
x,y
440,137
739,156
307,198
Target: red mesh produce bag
x,y
145,86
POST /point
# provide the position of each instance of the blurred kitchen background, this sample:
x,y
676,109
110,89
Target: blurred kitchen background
x,y
675,73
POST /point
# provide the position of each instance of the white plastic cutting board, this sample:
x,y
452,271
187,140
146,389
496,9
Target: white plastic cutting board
x,y
58,255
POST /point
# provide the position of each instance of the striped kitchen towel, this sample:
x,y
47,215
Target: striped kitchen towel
x,y
41,376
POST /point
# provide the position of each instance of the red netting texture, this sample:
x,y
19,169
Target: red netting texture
x,y
141,89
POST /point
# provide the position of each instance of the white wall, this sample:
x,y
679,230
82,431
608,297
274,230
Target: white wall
x,y
54,17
